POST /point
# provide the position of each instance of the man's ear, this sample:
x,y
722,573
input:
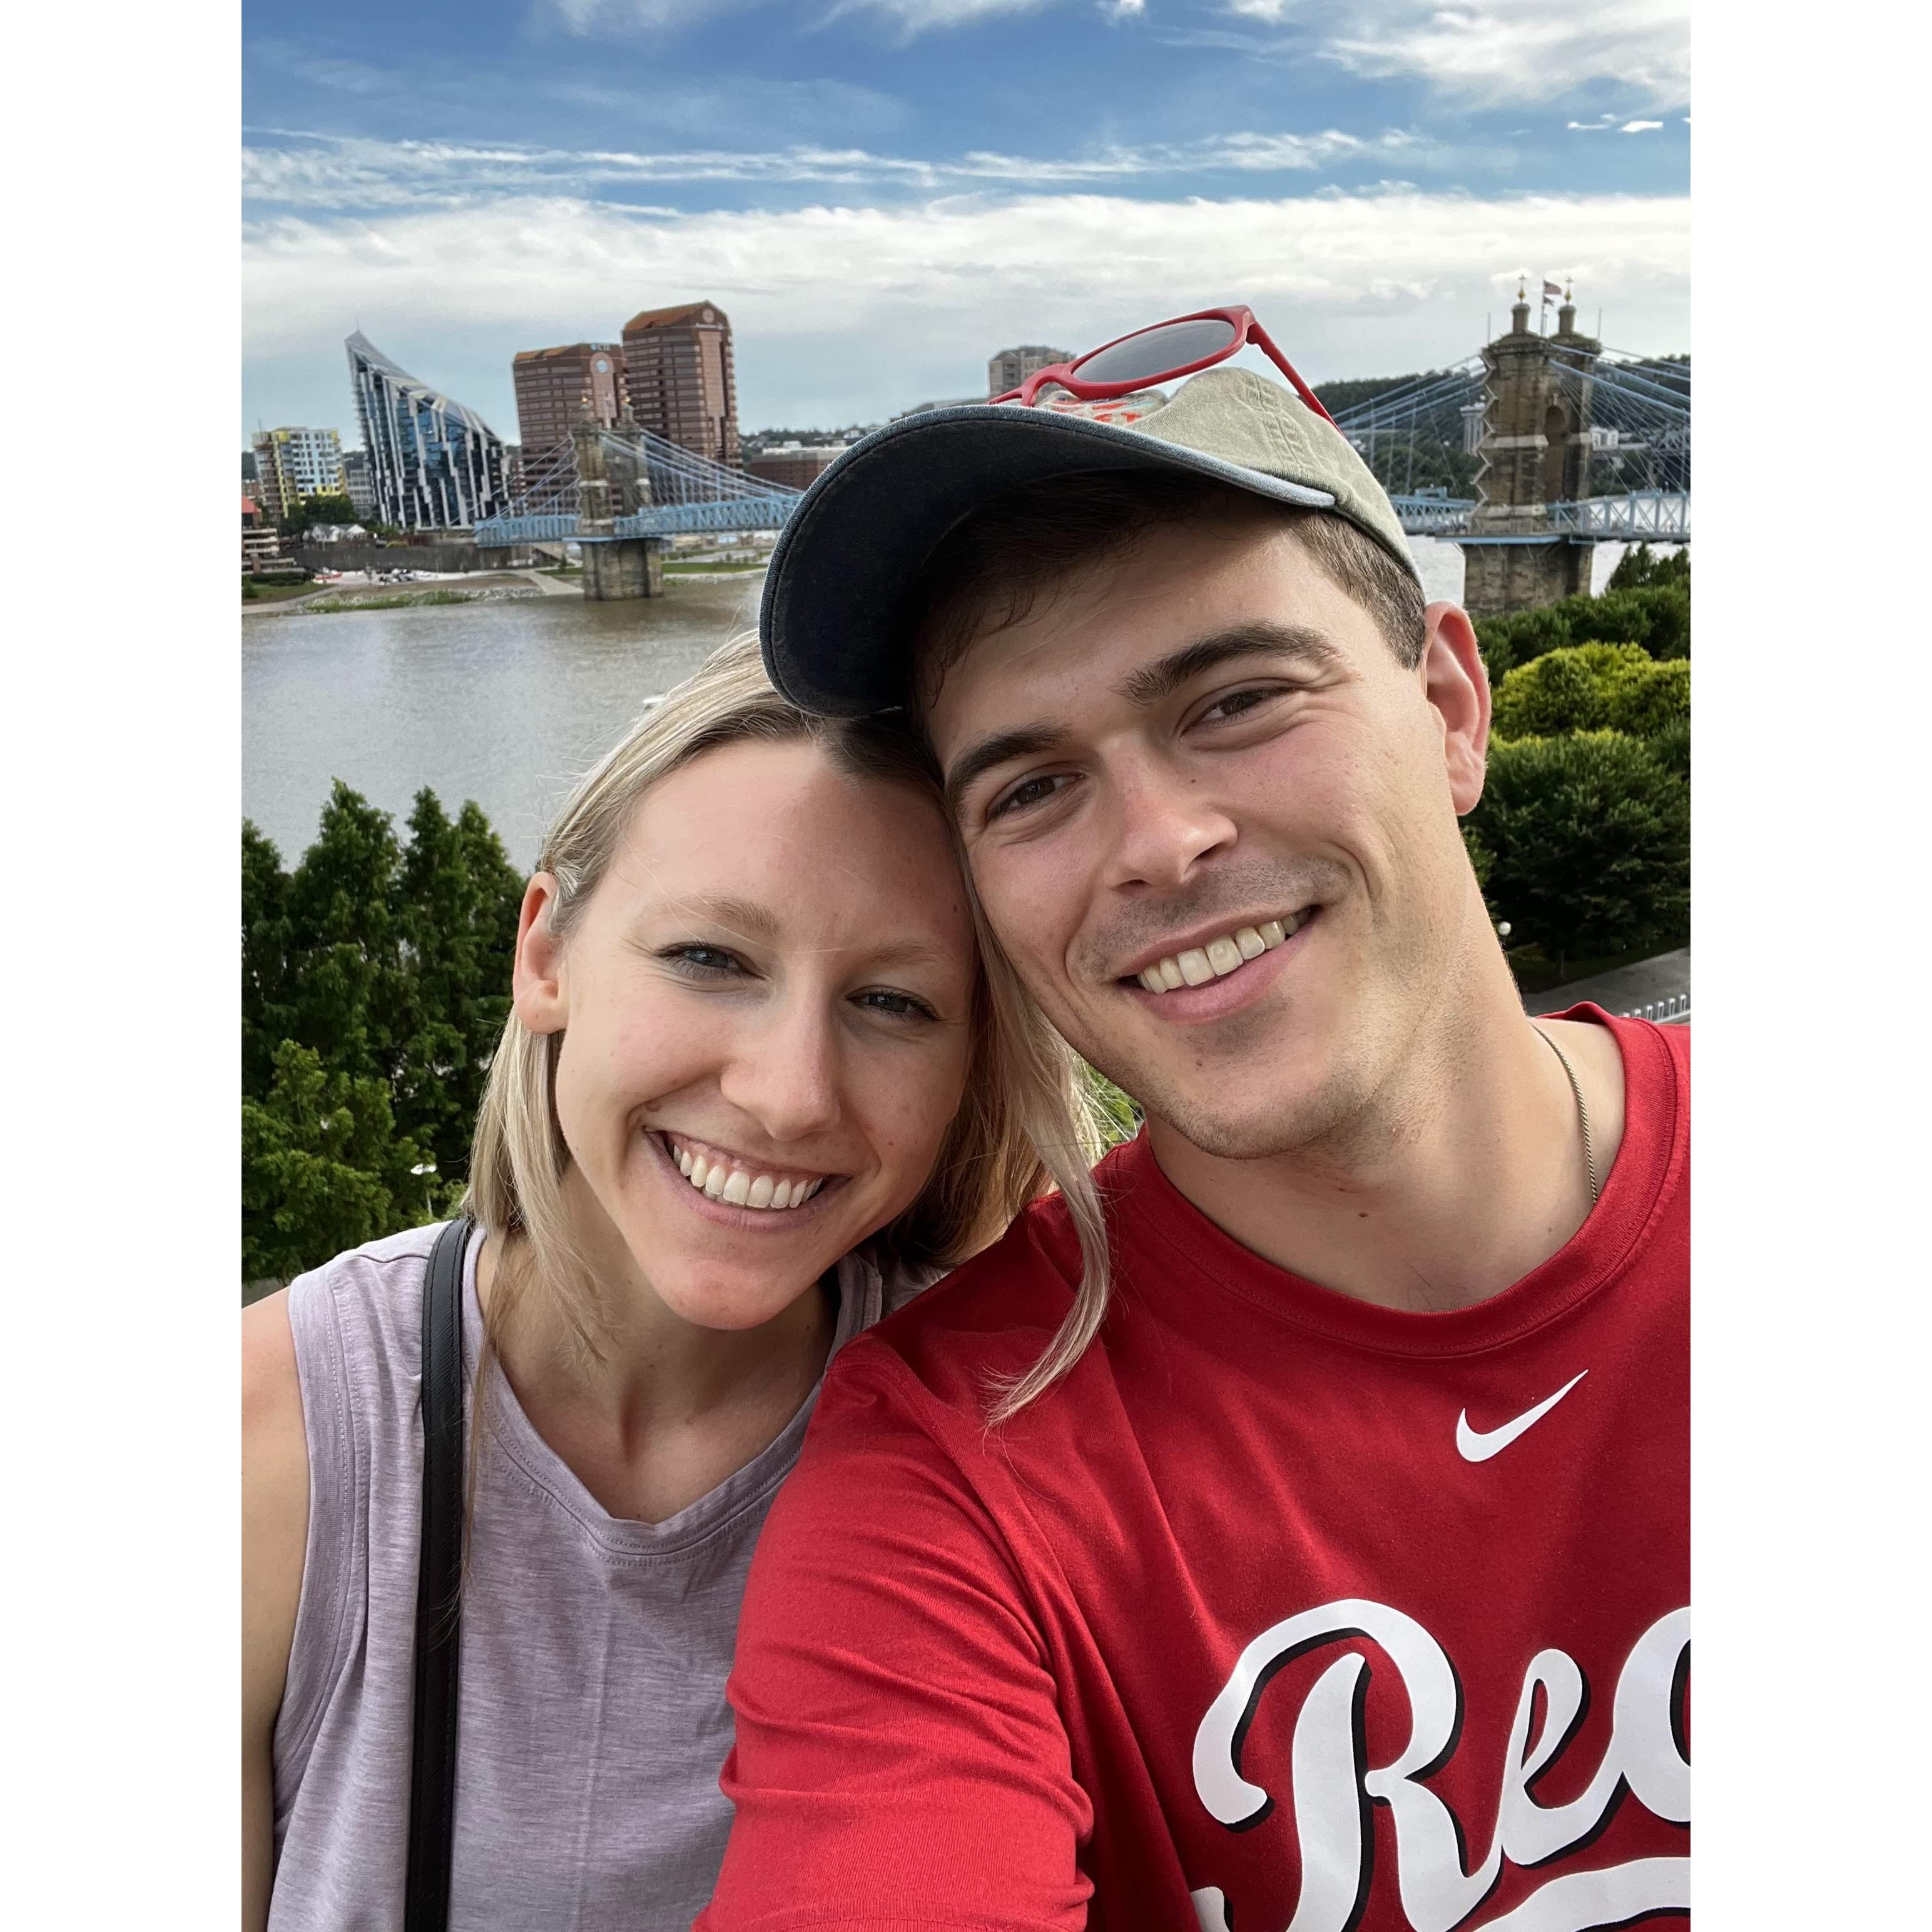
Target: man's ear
x,y
1454,681
537,986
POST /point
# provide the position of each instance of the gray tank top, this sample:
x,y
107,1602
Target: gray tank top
x,y
591,1719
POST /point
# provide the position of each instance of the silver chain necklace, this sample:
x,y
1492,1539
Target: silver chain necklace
x,y
1583,1112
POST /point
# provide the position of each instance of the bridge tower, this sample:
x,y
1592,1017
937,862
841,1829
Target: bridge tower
x,y
1535,449
614,567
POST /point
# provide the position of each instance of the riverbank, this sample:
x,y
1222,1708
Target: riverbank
x,y
504,587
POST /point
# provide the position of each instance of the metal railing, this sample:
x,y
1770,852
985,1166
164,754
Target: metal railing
x,y
1659,516
1425,516
1672,1012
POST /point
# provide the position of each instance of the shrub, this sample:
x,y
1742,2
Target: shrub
x,y
1590,836
1515,639
1653,611
1673,747
1591,688
1651,698
1657,616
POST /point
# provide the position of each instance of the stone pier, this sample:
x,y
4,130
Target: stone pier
x,y
611,484
620,567
1535,449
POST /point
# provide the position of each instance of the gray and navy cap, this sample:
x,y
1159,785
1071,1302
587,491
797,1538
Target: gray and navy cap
x,y
832,622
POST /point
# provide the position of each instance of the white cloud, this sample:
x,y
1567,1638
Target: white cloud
x,y
908,18
584,16
342,173
1490,51
843,313
1639,127
1113,12
914,17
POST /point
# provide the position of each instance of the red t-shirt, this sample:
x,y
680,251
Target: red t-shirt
x,y
1283,1610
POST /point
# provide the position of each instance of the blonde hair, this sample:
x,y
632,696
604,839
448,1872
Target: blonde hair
x,y
1026,1122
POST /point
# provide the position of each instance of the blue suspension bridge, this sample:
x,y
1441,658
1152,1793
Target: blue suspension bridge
x,y
1635,409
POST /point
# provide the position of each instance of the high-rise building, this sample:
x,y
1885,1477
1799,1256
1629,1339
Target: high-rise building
x,y
1011,366
357,485
678,372
553,384
291,464
433,464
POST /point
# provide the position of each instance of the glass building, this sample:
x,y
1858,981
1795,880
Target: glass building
x,y
433,465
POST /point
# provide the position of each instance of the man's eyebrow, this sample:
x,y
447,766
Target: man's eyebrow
x,y
1152,683
1022,741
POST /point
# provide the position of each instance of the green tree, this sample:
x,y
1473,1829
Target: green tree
x,y
350,1002
305,511
389,967
267,1016
458,909
323,1168
1639,566
1591,836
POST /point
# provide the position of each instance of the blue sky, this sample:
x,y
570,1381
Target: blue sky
x,y
880,193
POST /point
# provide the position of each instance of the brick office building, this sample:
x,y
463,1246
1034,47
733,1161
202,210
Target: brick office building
x,y
796,465
678,371
552,384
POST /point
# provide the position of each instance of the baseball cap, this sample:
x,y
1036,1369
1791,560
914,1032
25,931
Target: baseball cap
x,y
831,623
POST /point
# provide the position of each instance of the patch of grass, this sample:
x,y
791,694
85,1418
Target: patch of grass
x,y
254,592
700,569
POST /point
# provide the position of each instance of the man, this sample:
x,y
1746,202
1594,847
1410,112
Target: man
x,y
1341,1579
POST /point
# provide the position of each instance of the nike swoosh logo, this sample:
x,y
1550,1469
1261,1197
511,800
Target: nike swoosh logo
x,y
1475,1448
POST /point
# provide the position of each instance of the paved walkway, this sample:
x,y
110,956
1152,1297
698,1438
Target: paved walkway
x,y
1648,982
554,586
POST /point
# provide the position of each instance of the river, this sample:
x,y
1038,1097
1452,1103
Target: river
x,y
504,703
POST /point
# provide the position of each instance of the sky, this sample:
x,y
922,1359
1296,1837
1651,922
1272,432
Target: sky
x,y
880,193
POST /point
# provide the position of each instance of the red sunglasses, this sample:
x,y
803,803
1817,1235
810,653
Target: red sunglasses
x,y
1160,354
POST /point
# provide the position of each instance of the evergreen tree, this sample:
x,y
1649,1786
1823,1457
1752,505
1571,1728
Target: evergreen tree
x,y
1590,835
323,1168
375,983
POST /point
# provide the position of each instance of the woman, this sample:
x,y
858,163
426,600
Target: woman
x,y
758,1087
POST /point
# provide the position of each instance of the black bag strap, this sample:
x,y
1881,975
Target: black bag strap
x,y
438,1624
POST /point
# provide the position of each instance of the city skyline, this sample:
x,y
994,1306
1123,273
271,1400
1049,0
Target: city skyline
x,y
883,196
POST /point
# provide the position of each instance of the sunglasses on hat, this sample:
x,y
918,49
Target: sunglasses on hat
x,y
1163,352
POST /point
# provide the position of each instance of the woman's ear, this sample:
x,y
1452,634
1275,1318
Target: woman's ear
x,y
538,989
1455,681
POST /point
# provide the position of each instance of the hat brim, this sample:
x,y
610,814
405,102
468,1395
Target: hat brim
x,y
830,622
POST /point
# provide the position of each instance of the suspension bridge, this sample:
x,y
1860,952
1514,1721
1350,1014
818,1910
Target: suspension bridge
x,y
656,489
1627,416
1546,443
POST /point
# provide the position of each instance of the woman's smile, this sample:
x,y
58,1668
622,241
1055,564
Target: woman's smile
x,y
739,1191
